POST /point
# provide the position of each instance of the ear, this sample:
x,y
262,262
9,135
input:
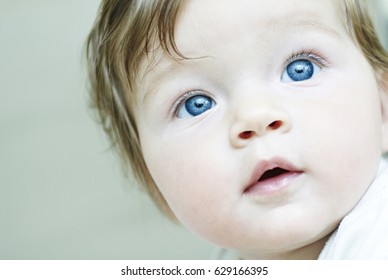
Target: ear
x,y
383,86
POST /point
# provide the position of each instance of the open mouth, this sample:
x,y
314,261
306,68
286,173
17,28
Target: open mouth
x,y
272,173
272,178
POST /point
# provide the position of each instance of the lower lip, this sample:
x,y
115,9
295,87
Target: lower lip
x,y
273,186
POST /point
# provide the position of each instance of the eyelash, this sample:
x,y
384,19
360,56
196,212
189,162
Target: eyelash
x,y
306,54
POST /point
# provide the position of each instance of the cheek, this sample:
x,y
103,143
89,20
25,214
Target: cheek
x,y
345,114
183,171
345,140
200,181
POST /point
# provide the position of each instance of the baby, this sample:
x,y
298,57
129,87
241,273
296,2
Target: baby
x,y
258,125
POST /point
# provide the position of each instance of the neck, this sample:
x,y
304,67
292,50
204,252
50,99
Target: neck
x,y
308,252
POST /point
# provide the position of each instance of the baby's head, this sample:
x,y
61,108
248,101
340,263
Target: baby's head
x,y
258,125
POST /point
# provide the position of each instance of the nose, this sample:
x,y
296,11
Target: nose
x,y
257,119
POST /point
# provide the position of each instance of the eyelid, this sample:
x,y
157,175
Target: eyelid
x,y
309,55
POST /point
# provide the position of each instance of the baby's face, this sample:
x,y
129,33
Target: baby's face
x,y
266,139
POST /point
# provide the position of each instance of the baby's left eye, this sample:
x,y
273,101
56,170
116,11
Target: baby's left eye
x,y
300,70
195,106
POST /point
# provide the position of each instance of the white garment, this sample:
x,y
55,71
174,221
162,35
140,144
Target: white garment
x,y
362,233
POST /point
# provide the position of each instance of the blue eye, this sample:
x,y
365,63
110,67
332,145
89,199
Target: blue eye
x,y
300,70
195,106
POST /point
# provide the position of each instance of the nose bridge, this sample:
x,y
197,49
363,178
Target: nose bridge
x,y
256,114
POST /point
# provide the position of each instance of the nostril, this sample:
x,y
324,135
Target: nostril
x,y
275,125
246,134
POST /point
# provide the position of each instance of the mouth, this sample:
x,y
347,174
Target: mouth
x,y
272,173
272,177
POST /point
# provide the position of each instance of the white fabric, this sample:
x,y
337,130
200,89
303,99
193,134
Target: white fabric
x,y
363,233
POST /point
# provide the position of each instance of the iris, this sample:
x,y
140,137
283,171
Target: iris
x,y
198,104
300,70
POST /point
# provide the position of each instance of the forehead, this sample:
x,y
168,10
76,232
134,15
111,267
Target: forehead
x,y
204,22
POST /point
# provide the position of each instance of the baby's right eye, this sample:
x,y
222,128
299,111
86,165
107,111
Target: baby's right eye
x,y
194,106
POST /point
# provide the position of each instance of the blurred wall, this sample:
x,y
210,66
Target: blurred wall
x,y
62,195
380,9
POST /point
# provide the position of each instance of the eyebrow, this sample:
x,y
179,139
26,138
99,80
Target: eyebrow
x,y
315,25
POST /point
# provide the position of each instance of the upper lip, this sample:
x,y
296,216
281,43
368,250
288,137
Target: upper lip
x,y
265,165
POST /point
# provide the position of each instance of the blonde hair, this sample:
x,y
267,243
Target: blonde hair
x,y
125,31
360,27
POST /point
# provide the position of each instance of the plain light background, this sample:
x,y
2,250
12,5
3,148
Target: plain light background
x,y
62,194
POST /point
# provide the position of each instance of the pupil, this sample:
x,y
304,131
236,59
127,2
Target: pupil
x,y
299,69
199,104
